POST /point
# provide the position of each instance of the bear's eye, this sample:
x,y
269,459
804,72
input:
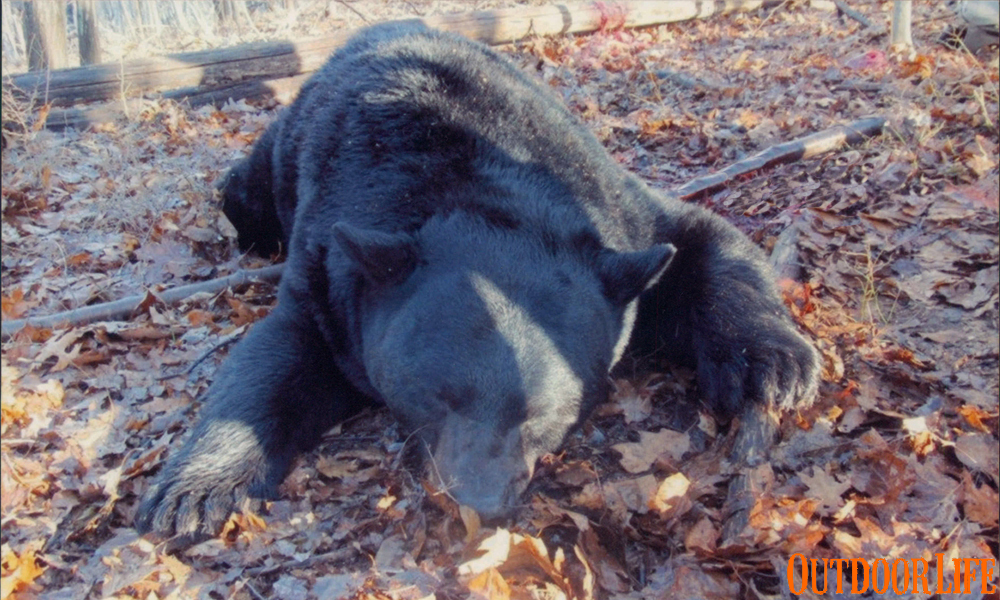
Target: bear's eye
x,y
456,399
517,410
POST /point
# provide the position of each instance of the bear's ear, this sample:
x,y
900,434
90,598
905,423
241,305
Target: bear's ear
x,y
625,275
383,258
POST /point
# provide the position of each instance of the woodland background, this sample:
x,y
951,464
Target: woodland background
x,y
889,256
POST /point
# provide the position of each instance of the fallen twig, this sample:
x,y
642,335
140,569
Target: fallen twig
x,y
684,80
334,556
850,12
807,147
784,257
227,340
852,85
119,309
353,10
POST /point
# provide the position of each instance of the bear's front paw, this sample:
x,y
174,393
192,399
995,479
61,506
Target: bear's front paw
x,y
764,362
197,491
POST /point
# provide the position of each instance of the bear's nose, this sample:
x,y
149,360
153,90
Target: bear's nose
x,y
481,467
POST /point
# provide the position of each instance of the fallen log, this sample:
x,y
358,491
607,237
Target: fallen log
x,y
283,90
122,309
209,69
216,71
800,149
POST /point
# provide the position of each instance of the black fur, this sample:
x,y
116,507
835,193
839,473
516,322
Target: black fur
x,y
463,250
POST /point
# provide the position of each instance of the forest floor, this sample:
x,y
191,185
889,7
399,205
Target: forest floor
x,y
897,260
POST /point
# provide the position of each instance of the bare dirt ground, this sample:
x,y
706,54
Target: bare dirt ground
x,y
897,249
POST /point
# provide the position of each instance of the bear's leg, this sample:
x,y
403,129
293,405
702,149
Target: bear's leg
x,y
274,397
249,202
716,308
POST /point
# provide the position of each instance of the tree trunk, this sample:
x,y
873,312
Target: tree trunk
x,y
902,17
225,12
86,28
45,34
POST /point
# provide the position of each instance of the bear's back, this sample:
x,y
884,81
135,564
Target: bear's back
x,y
405,123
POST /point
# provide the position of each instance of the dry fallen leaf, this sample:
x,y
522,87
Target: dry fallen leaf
x,y
335,468
824,487
495,550
671,498
974,416
702,537
470,518
489,585
19,571
980,452
981,503
638,457
633,400
630,495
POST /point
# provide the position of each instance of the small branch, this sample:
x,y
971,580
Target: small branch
x,y
121,309
354,10
807,147
853,85
850,12
784,257
755,435
230,338
683,79
338,555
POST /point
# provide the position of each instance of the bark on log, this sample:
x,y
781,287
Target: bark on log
x,y
119,309
216,70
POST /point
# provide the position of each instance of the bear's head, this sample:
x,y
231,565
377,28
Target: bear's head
x,y
492,344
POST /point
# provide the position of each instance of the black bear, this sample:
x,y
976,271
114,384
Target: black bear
x,y
462,250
